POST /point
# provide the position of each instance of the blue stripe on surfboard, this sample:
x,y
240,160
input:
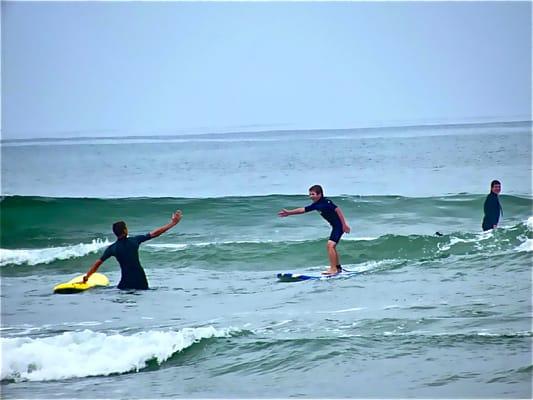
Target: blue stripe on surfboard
x,y
290,277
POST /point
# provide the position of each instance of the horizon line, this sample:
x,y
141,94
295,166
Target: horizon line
x,y
218,133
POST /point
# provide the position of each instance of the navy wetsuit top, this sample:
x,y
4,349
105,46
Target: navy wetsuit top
x,y
126,251
327,208
492,209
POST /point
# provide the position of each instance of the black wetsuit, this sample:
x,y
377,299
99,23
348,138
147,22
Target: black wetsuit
x,y
492,209
327,208
126,251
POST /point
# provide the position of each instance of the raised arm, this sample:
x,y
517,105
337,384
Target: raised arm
x,y
286,213
176,217
345,226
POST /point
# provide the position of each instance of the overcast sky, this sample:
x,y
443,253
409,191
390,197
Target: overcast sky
x,y
120,68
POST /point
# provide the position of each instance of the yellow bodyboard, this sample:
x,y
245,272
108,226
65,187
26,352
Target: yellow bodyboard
x,y
75,285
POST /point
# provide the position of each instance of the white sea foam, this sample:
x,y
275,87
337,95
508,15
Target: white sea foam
x,y
370,265
183,246
89,353
529,223
357,239
341,311
527,246
477,239
47,255
168,246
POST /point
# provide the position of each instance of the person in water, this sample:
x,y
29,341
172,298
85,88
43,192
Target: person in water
x,y
331,213
126,251
492,207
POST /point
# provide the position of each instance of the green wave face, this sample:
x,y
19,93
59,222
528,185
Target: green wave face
x,y
245,233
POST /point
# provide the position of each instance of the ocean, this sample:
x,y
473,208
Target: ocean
x,y
426,315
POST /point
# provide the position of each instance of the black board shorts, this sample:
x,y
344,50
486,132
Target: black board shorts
x,y
336,234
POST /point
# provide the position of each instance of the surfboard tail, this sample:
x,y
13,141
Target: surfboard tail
x,y
76,284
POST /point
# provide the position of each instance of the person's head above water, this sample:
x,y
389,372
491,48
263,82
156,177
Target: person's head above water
x,y
316,193
120,229
495,187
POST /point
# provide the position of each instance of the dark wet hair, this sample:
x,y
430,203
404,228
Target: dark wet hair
x,y
119,228
494,182
317,189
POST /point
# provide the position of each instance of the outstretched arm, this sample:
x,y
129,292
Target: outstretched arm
x,y
286,213
92,270
176,217
345,226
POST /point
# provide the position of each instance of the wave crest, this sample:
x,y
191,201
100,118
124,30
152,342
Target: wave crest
x,y
89,353
47,255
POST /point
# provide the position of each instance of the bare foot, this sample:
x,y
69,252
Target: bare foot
x,y
330,272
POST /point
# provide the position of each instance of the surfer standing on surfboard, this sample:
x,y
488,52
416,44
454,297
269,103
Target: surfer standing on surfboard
x,y
126,251
331,213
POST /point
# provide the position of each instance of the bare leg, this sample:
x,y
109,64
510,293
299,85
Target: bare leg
x,y
333,258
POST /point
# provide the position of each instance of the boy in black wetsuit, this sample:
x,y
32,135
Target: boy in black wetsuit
x,y
331,213
492,207
126,251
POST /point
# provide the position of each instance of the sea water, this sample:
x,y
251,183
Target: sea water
x,y
426,316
